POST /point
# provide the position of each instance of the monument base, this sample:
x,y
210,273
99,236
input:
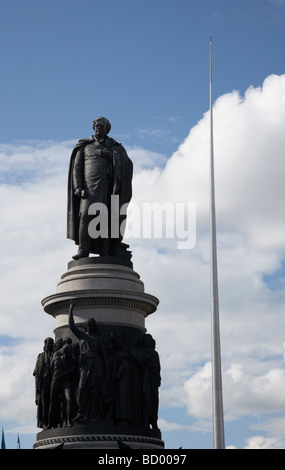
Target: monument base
x,y
116,363
99,436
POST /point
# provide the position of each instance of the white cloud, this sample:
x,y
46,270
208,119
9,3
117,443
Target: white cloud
x,y
17,390
261,442
245,394
170,426
145,159
250,200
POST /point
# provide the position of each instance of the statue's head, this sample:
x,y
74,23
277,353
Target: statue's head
x,y
66,340
101,127
90,326
58,344
67,350
48,344
148,341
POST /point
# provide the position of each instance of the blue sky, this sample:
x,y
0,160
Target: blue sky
x,y
62,62
145,66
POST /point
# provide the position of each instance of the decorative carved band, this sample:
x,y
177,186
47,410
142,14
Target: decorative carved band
x,y
63,306
99,438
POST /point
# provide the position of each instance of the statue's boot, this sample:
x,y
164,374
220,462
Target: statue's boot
x,y
81,254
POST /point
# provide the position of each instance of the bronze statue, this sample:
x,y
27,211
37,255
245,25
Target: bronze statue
x,y
113,380
123,381
93,369
99,168
43,377
151,382
62,387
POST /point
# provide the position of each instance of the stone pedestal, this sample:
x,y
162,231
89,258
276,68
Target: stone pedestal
x,y
110,291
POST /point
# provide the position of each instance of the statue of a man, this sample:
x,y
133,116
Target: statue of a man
x,y
94,369
99,168
151,381
43,377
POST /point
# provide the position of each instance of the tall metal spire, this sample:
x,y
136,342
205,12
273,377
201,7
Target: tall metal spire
x,y
217,393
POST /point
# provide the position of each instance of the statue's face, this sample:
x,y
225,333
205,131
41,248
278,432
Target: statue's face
x,y
100,129
90,326
49,344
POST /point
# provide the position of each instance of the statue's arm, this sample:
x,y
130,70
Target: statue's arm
x,y
78,172
71,323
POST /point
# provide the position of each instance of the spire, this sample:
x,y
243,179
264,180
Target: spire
x,y
217,394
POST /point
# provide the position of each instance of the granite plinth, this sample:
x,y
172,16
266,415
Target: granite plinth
x,y
104,288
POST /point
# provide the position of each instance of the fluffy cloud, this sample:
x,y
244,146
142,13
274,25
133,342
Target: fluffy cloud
x,y
261,442
249,137
245,394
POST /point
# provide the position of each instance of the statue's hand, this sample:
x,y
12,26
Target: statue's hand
x,y
77,192
71,306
